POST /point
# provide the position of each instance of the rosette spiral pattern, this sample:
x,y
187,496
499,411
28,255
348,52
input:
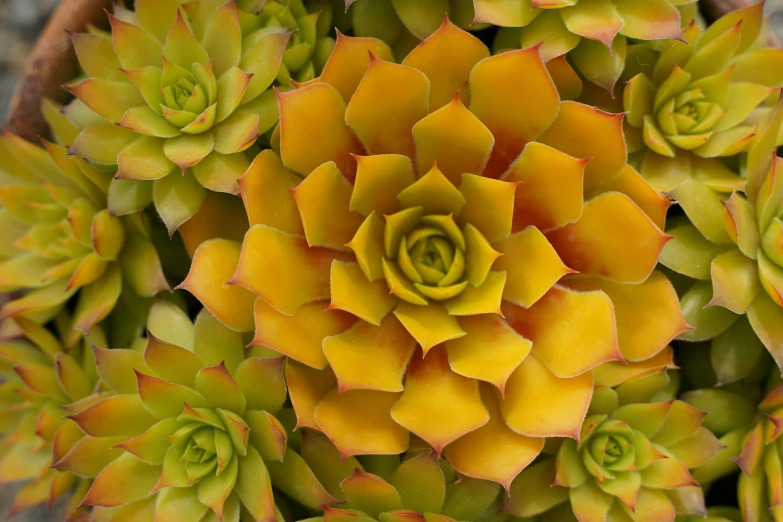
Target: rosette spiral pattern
x,y
180,91
630,464
60,239
420,247
700,100
196,425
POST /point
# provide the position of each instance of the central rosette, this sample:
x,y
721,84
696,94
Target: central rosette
x,y
431,255
688,119
189,97
207,446
610,450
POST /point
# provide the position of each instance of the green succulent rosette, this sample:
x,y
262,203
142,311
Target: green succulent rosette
x,y
66,230
730,250
698,102
414,487
310,43
198,428
631,463
174,97
40,376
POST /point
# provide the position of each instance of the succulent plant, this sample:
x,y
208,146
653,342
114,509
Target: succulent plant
x,y
630,463
310,44
750,439
425,290
402,24
416,487
177,93
594,33
198,427
40,376
59,236
700,100
731,247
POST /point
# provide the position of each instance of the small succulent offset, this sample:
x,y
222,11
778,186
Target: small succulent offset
x,y
732,247
417,487
40,378
59,237
700,100
629,464
385,199
179,92
402,24
197,425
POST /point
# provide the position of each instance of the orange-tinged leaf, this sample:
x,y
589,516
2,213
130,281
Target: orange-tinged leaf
x,y
358,422
307,387
613,238
370,357
313,130
633,185
220,389
549,187
735,280
667,473
115,416
213,265
648,315
432,193
439,405
516,109
537,403
299,336
124,480
220,216
379,178
572,332
469,356
108,99
531,264
586,132
323,199
447,57
489,205
454,139
170,362
89,455
297,274
370,493
349,60
430,325
390,99
265,190
353,293
164,399
493,452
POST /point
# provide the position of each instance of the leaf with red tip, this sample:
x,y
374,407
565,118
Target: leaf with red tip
x,y
313,130
563,320
152,445
493,452
359,422
116,368
253,486
349,60
307,387
124,480
220,389
537,403
115,416
108,99
439,405
447,57
164,399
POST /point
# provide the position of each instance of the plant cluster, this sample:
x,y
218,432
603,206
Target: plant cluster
x,y
397,261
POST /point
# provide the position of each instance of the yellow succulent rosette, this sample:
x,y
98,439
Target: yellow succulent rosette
x,y
414,249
